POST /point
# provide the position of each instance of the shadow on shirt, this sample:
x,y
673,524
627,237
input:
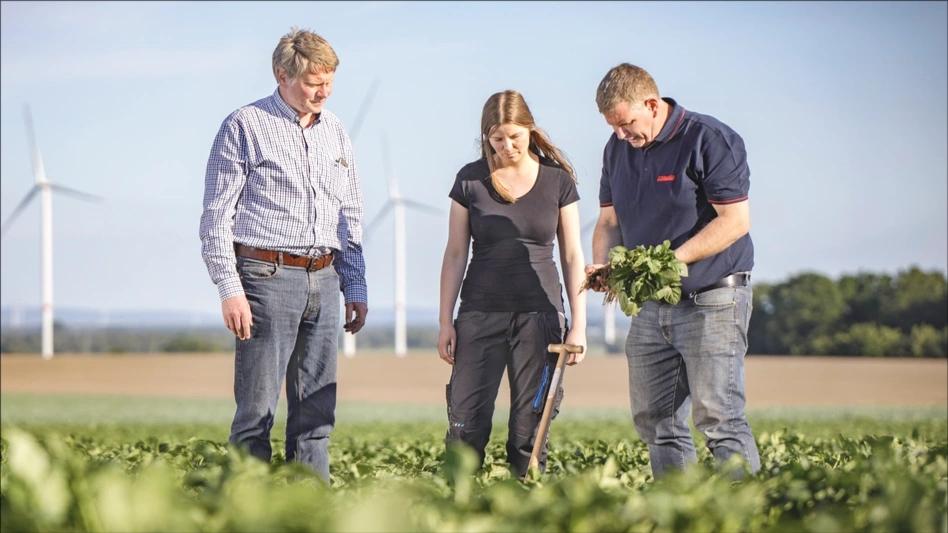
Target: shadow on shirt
x,y
507,271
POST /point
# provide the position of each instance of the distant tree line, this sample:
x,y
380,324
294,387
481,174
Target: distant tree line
x,y
861,314
175,340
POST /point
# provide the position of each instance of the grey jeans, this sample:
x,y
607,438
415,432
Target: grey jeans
x,y
691,354
295,326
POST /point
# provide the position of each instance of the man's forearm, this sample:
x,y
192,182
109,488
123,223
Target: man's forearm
x,y
217,250
712,239
351,269
605,237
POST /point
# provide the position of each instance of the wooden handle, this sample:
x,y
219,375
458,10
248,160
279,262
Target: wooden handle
x,y
568,348
550,398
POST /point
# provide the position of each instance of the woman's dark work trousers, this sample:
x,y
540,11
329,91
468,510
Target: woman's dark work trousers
x,y
487,343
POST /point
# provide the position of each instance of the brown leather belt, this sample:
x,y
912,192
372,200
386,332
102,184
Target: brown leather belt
x,y
284,258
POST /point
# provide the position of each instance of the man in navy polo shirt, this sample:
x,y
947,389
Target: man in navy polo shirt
x,y
669,173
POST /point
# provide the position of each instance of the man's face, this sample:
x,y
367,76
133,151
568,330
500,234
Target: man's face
x,y
308,93
634,123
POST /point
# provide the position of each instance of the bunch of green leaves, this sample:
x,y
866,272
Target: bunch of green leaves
x,y
642,274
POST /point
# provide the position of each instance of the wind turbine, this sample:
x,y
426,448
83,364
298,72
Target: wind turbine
x,y
608,309
45,189
349,339
397,204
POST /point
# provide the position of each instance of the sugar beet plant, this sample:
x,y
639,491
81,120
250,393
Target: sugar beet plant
x,y
644,273
401,479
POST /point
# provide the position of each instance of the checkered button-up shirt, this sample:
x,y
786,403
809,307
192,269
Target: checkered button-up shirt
x,y
272,184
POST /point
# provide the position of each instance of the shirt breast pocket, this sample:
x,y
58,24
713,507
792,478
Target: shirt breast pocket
x,y
331,175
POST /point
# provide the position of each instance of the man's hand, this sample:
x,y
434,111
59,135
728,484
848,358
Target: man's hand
x,y
237,318
447,341
355,316
598,283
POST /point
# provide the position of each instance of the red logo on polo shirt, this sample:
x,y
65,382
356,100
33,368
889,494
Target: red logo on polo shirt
x,y
665,178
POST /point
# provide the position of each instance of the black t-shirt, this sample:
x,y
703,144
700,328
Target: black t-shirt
x,y
512,267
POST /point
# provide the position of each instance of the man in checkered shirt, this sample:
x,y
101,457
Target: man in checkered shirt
x,y
281,234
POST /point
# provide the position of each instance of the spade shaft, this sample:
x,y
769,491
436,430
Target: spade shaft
x,y
563,350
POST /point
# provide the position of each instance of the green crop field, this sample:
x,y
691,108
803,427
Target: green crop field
x,y
142,464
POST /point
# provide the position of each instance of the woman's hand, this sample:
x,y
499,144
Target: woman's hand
x,y
578,338
447,342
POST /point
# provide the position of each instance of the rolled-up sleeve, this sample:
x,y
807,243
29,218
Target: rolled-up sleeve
x,y
351,264
223,185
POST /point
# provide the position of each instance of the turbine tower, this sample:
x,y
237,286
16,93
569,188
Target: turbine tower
x,y
349,339
608,309
45,189
397,204
609,325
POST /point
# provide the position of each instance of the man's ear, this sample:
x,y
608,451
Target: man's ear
x,y
652,105
281,75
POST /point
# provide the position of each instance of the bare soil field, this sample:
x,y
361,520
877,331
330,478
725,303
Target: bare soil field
x,y
599,381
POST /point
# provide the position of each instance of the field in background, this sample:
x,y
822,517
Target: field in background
x,y
380,378
138,443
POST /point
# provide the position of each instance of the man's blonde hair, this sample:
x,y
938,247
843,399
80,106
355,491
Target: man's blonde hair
x,y
302,51
625,83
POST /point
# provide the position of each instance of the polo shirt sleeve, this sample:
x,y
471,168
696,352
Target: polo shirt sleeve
x,y
568,192
726,176
605,186
459,191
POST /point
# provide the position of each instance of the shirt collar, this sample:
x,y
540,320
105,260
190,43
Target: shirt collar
x,y
676,116
288,111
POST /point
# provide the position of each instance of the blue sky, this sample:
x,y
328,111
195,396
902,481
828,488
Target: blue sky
x,y
842,107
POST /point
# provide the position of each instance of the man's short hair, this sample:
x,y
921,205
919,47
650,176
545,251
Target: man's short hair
x,y
302,51
625,83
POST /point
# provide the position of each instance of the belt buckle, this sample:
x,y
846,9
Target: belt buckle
x,y
311,264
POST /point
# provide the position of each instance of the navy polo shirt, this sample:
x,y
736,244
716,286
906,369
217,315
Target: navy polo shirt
x,y
667,189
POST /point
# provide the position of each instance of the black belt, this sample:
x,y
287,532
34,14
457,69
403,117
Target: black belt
x,y
741,279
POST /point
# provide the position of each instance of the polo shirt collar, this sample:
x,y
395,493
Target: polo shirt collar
x,y
676,116
288,111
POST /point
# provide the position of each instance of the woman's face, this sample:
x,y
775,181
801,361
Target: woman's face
x,y
510,142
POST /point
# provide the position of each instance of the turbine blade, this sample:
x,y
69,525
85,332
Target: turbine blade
x,y
19,208
76,194
363,109
39,171
421,207
378,218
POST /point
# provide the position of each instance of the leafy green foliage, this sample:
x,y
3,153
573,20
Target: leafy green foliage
x,y
859,314
642,274
399,477
864,339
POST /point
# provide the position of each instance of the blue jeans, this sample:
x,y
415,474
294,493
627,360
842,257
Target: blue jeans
x,y
691,354
295,326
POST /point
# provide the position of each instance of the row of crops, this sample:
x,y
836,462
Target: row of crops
x,y
816,476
